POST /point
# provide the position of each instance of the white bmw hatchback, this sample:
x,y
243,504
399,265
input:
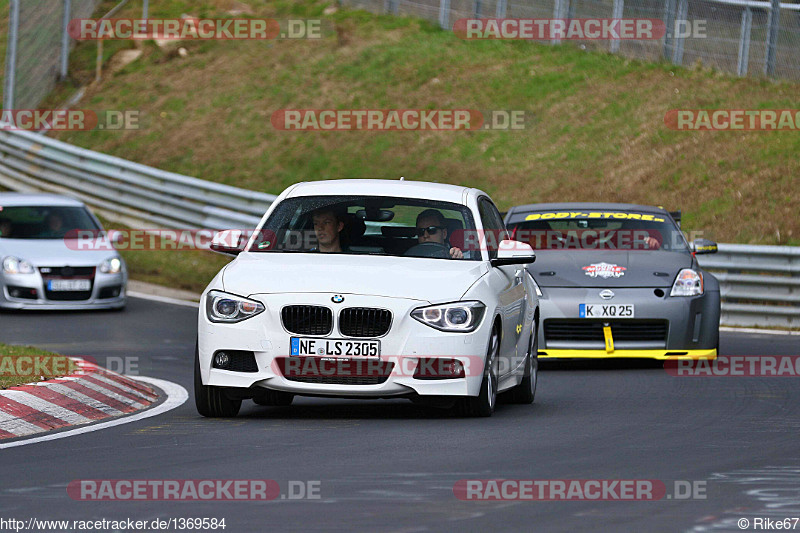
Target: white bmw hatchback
x,y
370,289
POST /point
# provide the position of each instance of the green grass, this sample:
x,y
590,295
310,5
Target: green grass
x,y
596,132
18,363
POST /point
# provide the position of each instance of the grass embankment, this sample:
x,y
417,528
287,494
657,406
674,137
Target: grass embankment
x,y
597,132
24,364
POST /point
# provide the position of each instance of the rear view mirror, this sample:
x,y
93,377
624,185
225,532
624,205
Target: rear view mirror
x,y
513,253
228,242
704,246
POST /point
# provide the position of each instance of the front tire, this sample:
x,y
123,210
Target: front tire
x,y
211,401
483,405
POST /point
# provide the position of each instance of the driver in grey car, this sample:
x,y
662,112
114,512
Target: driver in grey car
x,y
431,227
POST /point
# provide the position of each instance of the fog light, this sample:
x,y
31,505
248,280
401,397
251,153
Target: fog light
x,y
439,368
221,360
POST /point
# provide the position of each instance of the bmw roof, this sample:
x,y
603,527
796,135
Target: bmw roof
x,y
383,187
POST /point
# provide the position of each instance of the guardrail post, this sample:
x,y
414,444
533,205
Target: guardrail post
x,y
744,42
11,55
616,13
500,9
772,37
558,9
146,9
683,13
444,14
669,23
65,38
477,10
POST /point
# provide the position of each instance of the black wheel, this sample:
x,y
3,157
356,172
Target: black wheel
x,y
274,398
525,392
485,402
211,401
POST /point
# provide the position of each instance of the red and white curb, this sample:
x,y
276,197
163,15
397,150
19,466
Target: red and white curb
x,y
88,395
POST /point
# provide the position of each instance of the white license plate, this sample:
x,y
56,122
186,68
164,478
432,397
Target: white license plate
x,y
605,310
55,285
335,347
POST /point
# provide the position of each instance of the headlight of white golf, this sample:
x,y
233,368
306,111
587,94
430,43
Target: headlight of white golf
x,y
225,307
688,283
15,265
112,265
461,317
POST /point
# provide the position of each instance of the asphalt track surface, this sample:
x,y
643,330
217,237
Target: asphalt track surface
x,y
389,465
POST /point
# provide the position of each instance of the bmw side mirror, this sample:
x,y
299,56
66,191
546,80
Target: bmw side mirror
x,y
513,253
228,242
704,246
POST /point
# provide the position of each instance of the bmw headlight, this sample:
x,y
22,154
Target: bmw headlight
x,y
112,265
461,317
688,283
15,265
225,307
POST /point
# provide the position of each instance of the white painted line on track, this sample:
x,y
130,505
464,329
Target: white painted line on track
x,y
759,331
163,299
176,396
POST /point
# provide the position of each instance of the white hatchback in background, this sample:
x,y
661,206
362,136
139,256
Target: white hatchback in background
x,y
388,317
42,265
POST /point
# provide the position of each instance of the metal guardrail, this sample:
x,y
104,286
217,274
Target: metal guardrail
x,y
759,285
123,191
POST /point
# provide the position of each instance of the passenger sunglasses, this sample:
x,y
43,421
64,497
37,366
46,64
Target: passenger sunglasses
x,y
430,230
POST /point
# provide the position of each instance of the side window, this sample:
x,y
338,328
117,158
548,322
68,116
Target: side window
x,y
492,225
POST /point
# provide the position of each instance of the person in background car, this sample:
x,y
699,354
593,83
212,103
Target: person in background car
x,y
431,227
5,227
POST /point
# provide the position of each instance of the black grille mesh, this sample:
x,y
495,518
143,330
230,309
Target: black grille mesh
x,y
364,322
307,319
592,330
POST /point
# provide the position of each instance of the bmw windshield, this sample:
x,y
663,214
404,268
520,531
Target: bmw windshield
x,y
372,225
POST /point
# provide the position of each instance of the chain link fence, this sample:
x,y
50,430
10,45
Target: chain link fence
x,y
37,48
735,36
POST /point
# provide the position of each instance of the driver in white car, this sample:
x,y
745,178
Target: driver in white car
x,y
431,227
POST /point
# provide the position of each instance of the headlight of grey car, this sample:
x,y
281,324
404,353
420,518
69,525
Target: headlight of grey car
x,y
15,265
112,265
688,283
461,317
225,307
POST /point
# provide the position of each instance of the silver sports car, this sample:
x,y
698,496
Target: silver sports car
x,y
54,256
618,280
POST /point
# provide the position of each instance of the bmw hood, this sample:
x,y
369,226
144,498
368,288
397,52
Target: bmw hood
x,y
53,252
427,280
592,268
